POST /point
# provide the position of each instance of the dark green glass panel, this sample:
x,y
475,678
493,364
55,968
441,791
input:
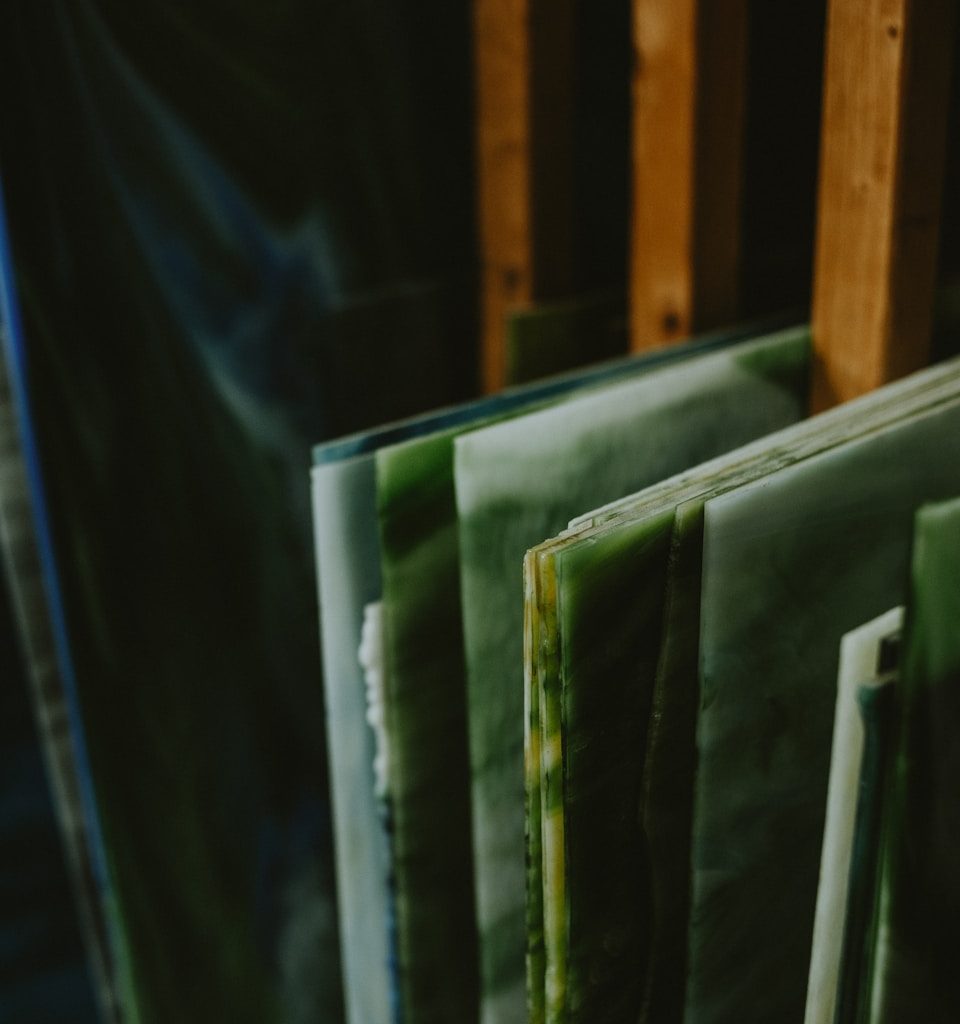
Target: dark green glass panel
x,y
920,896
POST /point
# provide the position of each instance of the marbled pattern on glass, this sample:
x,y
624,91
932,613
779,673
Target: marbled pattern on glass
x,y
348,546
426,705
791,563
521,480
675,681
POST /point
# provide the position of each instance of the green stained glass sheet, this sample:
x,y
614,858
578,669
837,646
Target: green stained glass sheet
x,y
427,727
520,481
915,967
348,541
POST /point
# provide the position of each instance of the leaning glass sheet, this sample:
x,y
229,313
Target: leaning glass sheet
x,y
347,533
520,481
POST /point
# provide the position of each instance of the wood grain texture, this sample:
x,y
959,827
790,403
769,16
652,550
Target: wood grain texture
x,y
886,98
688,118
524,67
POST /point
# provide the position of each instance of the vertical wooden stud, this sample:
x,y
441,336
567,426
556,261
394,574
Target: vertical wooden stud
x,y
689,89
886,103
524,63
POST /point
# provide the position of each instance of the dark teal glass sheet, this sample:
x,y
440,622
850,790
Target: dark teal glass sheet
x,y
224,251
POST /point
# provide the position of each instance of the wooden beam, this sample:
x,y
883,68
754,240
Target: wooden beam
x,y
689,86
525,74
886,103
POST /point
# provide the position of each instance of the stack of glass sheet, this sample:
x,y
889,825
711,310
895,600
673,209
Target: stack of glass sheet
x,y
421,531
681,660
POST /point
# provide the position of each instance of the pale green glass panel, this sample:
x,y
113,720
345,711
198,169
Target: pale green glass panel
x,y
348,562
520,481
